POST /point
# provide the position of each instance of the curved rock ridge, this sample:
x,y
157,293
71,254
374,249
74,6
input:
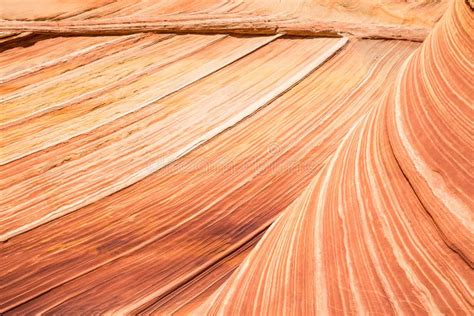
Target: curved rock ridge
x,y
386,227
431,127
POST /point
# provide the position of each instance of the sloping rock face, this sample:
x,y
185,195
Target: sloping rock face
x,y
387,226
173,173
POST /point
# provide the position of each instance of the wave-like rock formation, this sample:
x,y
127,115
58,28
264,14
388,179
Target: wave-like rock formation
x,y
236,174
386,226
431,128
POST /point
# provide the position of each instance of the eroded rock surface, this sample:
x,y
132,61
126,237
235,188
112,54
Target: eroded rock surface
x,y
161,173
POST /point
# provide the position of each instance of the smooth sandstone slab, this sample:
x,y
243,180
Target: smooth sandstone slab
x,y
144,151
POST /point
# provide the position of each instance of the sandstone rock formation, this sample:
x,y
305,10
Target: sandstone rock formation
x,y
257,174
386,226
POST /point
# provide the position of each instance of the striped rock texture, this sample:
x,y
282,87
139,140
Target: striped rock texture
x,y
386,227
159,173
